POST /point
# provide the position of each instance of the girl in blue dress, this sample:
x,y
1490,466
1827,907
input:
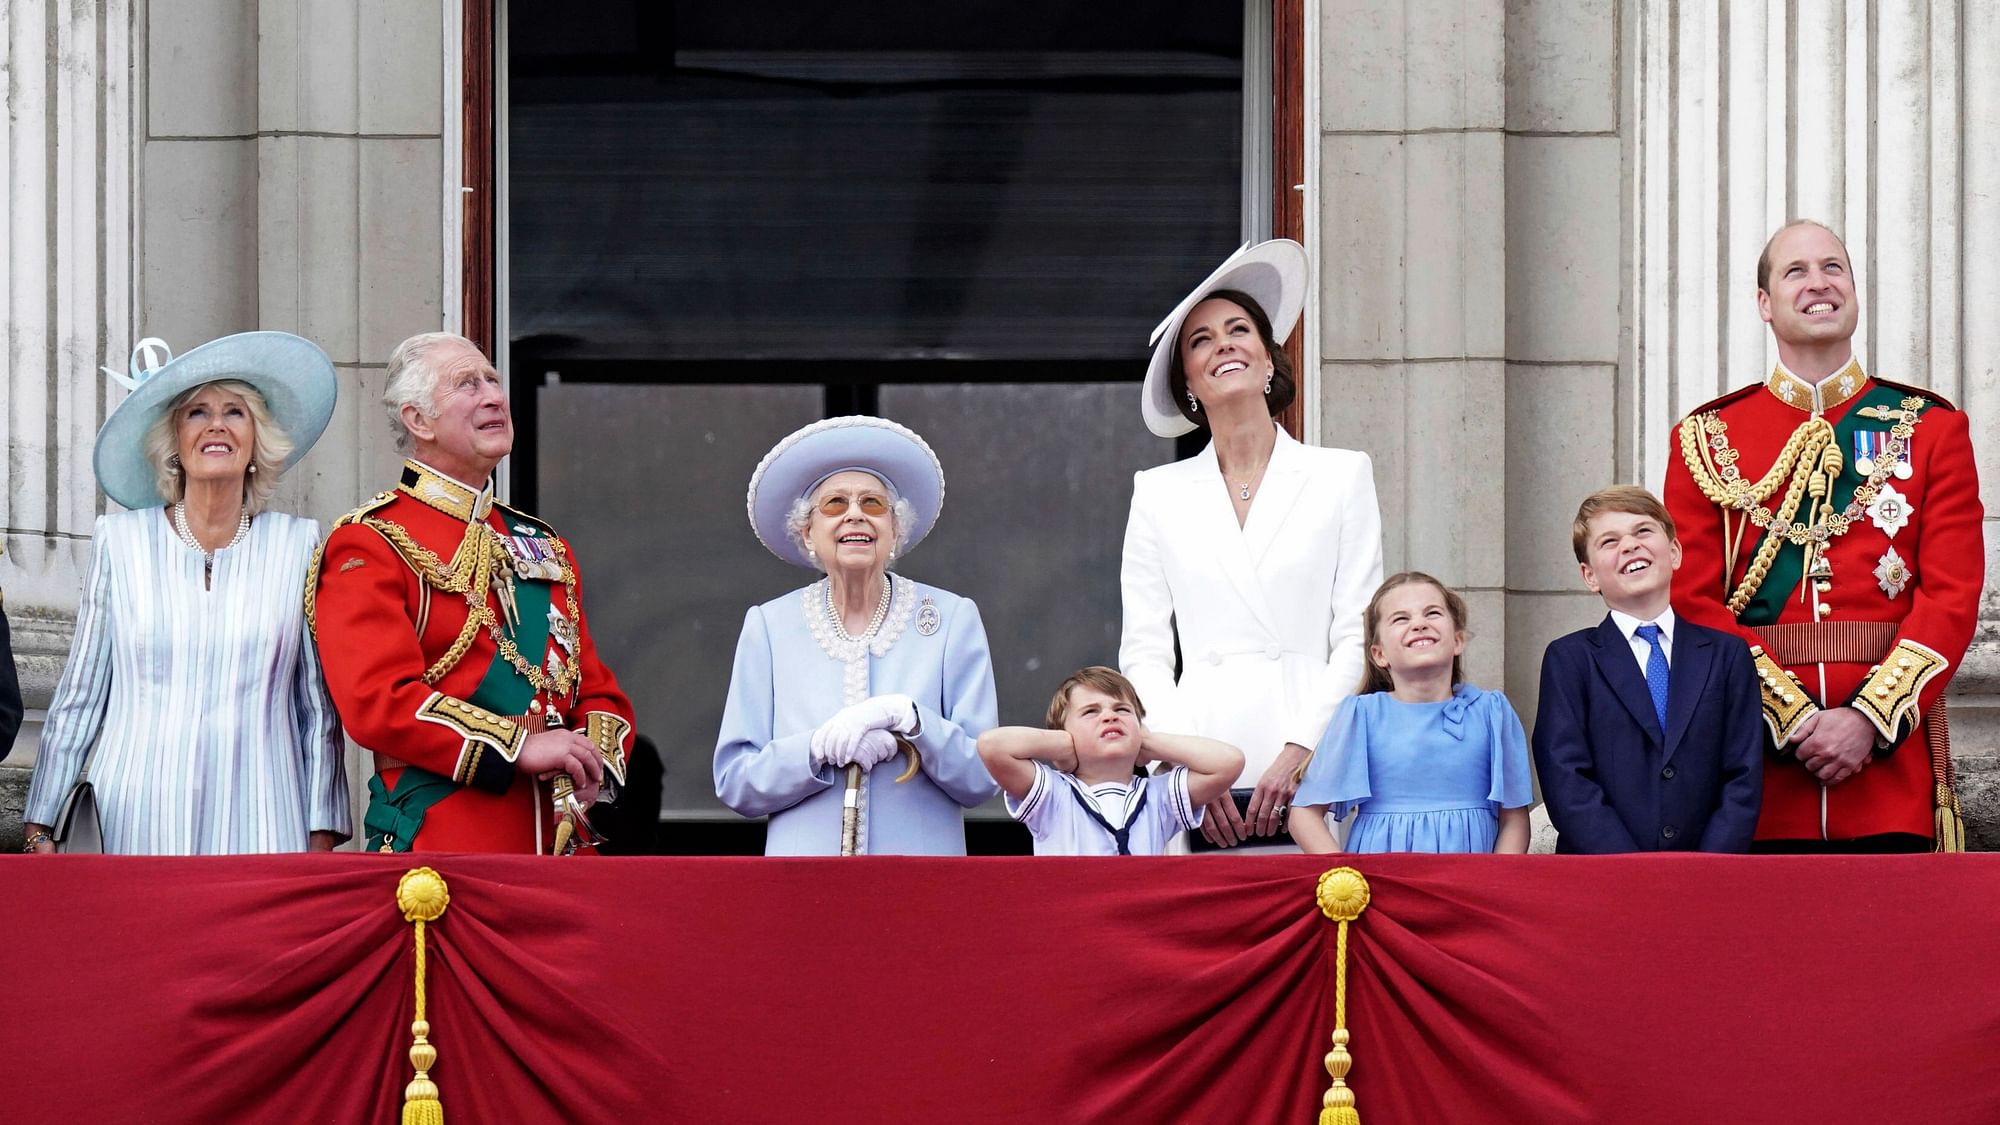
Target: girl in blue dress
x,y
1425,761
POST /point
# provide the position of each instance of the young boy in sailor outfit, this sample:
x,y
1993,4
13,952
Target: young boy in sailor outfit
x,y
1075,784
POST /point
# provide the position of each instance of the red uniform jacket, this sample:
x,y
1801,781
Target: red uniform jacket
x,y
420,685
1879,619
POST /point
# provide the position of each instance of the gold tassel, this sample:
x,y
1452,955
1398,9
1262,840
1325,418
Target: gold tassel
x,y
1342,896
422,896
1949,822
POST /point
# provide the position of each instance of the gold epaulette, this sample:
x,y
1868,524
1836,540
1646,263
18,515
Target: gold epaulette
x,y
319,553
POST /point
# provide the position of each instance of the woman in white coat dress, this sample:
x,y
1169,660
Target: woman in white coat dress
x,y
1261,552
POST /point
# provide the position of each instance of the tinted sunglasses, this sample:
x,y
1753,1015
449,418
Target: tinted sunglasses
x,y
871,504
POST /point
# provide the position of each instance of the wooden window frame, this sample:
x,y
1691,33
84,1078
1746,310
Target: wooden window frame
x,y
479,278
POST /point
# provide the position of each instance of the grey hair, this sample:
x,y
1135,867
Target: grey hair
x,y
413,381
269,446
902,517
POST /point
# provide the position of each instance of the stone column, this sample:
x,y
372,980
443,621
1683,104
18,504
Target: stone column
x,y
1414,283
65,295
1564,315
187,170
1878,119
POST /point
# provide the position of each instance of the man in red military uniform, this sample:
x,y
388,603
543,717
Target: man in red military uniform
x,y
453,639
1832,519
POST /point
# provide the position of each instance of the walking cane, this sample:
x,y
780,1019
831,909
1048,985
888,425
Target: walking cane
x,y
850,811
850,808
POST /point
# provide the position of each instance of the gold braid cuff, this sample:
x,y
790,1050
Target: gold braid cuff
x,y
607,732
1786,703
481,729
1889,695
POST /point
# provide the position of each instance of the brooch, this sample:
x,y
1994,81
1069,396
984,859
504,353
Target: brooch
x,y
1892,573
1891,511
928,618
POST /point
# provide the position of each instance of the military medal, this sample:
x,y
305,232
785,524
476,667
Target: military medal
x,y
562,629
1867,446
1892,573
928,618
1891,511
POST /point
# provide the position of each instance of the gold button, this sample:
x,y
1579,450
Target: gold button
x,y
1824,609
1903,662
1882,693
1823,586
1789,697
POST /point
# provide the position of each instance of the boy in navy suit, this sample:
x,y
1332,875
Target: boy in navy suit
x,y
1649,733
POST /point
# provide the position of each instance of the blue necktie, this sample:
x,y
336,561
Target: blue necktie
x,y
1656,671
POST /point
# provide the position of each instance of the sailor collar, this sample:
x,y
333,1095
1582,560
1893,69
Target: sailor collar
x,y
1820,397
452,497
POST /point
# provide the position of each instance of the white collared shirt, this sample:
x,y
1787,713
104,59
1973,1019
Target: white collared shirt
x,y
1642,651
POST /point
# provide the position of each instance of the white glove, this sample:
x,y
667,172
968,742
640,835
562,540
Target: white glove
x,y
838,740
877,746
867,749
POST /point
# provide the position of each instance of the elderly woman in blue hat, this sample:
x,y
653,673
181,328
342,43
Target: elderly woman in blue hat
x,y
860,669
192,700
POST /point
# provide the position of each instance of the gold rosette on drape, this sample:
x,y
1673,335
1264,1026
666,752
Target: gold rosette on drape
x,y
1342,896
422,896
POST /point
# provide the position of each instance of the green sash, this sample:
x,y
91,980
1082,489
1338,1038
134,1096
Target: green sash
x,y
1789,565
396,817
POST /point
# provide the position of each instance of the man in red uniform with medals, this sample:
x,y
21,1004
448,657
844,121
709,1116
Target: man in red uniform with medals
x,y
453,639
1832,519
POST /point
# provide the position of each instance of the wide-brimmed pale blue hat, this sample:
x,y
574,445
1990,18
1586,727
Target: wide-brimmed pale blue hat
x,y
796,465
1274,273
292,373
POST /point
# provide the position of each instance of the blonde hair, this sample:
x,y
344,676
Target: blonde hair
x,y
1375,677
1629,499
1097,678
269,446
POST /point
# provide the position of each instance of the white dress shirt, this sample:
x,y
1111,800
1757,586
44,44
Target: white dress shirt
x,y
1642,650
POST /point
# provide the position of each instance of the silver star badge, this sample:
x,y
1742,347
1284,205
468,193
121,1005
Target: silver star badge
x,y
1892,573
1891,511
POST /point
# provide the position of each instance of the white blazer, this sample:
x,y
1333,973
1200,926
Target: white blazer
x,y
1269,614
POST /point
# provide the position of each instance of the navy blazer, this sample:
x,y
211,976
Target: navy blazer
x,y
10,691
1613,781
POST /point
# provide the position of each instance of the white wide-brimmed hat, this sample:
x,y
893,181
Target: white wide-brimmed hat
x,y
292,373
806,457
1274,273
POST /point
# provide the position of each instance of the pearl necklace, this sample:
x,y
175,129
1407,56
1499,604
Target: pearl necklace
x,y
186,535
839,620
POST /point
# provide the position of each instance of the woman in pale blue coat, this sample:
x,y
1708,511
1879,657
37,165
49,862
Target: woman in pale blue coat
x,y
862,668
192,701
